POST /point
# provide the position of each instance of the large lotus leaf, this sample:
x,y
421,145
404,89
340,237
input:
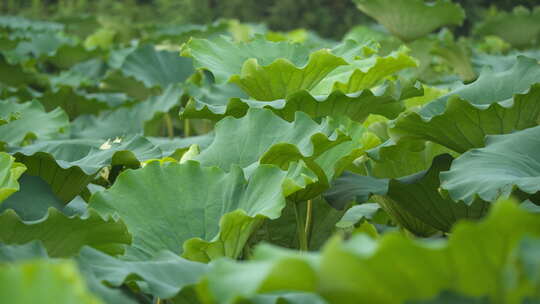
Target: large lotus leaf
x,y
478,260
69,165
31,122
365,73
164,275
42,281
282,144
126,120
412,19
258,136
64,235
165,205
10,171
156,68
384,100
521,27
225,58
265,70
33,200
271,269
508,162
497,103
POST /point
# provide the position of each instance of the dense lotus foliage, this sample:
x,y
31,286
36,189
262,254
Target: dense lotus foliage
x,y
227,163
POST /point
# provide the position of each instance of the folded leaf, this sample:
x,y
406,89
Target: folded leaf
x,y
508,162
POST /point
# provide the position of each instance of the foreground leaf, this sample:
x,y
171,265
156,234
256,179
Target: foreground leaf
x,y
49,282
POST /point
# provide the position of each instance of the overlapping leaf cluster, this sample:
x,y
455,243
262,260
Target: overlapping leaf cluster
x,y
230,164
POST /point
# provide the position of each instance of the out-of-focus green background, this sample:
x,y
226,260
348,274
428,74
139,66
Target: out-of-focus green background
x,y
330,18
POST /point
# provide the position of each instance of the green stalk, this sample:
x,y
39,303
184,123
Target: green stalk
x,y
309,220
187,128
300,229
169,125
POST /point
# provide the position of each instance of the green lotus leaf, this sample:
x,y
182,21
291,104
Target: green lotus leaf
x,y
481,252
265,70
29,251
395,160
225,58
363,270
520,27
288,298
83,74
282,78
412,19
202,223
69,55
25,204
357,106
144,71
508,162
127,120
35,46
15,75
78,102
10,171
49,282
64,235
356,214
351,187
496,103
457,54
156,68
284,144
411,200
171,147
271,269
21,23
365,73
304,135
69,165
183,32
32,122
164,275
